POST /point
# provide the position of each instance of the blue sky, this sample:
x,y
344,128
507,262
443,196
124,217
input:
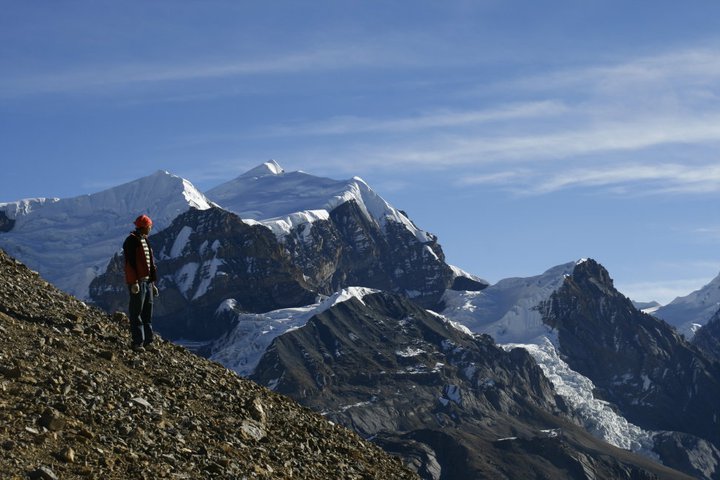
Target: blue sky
x,y
523,133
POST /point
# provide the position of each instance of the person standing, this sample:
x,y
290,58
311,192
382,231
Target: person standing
x,y
140,276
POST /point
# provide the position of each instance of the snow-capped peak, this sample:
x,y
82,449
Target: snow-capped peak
x,y
271,167
70,240
284,200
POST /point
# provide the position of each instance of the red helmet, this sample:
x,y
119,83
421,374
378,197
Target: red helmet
x,y
143,221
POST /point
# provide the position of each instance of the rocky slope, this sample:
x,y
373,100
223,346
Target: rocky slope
x,y
76,403
640,364
453,405
707,338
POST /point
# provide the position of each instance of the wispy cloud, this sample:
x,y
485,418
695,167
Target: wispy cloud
x,y
598,126
432,120
637,179
679,72
708,233
99,77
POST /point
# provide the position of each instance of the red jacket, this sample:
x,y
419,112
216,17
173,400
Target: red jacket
x,y
136,265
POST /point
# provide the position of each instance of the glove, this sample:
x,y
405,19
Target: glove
x,y
155,290
135,289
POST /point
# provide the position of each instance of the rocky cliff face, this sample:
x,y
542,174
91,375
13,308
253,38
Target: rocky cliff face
x,y
76,403
640,364
454,405
204,258
707,338
350,249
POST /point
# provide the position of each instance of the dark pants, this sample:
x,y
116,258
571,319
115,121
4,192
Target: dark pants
x,y
141,307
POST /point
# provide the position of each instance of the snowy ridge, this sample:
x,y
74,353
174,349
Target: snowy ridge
x,y
270,167
241,349
689,313
599,417
70,241
507,310
459,272
284,200
24,207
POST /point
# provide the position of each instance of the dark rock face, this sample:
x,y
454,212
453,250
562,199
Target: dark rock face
x,y
6,224
204,258
453,405
351,250
76,402
468,284
639,363
688,453
707,338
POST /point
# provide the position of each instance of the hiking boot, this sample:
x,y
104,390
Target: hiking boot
x,y
150,347
138,348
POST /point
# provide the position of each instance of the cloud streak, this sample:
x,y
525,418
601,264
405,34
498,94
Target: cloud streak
x,y
101,77
436,120
654,179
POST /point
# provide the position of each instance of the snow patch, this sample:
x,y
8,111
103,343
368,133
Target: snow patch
x,y
507,310
599,417
185,277
343,296
181,242
241,348
409,352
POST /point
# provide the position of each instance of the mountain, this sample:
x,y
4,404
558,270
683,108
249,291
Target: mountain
x,y
241,348
638,364
213,257
707,338
275,254
69,241
75,402
453,405
206,258
329,225
689,313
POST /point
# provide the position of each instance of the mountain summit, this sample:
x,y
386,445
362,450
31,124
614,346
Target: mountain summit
x,y
271,167
284,200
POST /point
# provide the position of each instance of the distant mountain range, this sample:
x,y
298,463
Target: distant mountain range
x,y
687,314
322,290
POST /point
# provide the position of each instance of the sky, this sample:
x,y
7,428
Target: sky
x,y
524,134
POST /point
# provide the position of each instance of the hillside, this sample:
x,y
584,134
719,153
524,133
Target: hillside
x,y
76,403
